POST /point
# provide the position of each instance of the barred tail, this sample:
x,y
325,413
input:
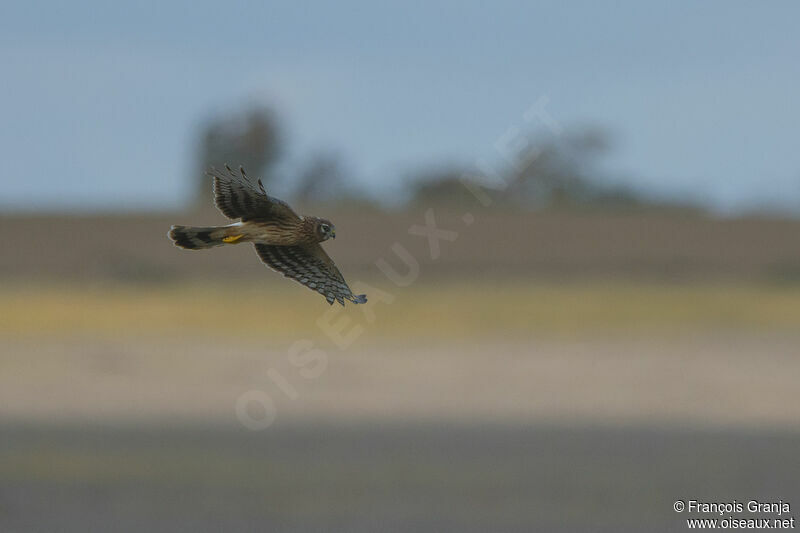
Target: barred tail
x,y
196,238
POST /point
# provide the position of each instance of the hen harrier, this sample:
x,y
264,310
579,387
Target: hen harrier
x,y
285,241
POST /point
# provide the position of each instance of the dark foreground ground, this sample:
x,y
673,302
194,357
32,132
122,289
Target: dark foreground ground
x,y
381,478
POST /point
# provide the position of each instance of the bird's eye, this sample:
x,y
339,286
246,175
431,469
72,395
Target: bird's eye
x,y
325,228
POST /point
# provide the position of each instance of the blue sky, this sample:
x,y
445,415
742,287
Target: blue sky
x,y
101,101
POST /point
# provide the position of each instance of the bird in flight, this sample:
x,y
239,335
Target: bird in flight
x,y
286,242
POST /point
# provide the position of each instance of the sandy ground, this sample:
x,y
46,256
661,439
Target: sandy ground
x,y
556,408
734,380
596,434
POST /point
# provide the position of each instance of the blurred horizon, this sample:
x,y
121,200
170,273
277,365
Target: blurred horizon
x,y
106,102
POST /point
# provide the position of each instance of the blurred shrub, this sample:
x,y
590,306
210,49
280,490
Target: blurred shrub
x,y
325,179
562,172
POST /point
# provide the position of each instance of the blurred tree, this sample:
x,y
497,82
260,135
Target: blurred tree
x,y
563,174
441,186
324,180
251,139
321,180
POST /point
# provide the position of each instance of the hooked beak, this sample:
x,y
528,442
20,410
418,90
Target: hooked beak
x,y
333,233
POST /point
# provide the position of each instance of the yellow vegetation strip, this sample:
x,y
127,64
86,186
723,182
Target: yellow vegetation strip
x,y
457,309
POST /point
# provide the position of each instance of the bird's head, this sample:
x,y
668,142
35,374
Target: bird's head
x,y
325,229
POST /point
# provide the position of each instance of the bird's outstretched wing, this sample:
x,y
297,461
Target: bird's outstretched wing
x,y
236,197
310,266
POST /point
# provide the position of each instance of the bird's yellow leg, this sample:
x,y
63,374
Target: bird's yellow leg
x,y
232,238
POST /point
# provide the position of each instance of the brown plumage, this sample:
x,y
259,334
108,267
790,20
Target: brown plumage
x,y
285,241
